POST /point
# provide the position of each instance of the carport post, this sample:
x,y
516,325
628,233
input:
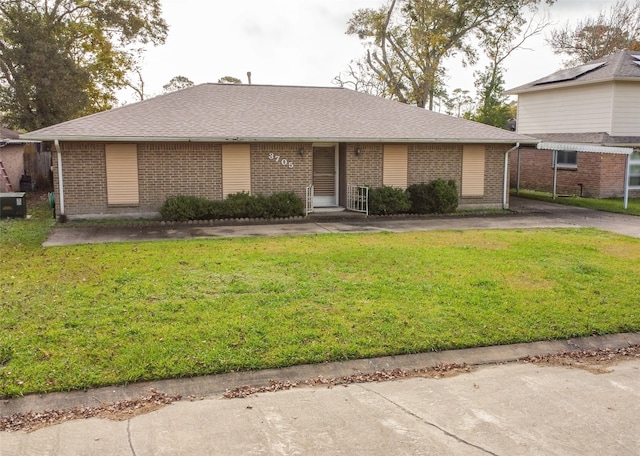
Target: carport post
x,y
518,175
555,172
627,173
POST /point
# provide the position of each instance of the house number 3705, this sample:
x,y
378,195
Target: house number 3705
x,y
283,161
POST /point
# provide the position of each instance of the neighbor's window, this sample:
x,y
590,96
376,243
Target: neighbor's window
x,y
567,158
634,165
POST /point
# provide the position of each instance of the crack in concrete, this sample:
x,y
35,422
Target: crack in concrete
x,y
133,451
418,417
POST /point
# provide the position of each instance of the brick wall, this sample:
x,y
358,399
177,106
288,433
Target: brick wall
x,y
596,176
612,172
493,178
278,167
168,169
428,162
84,177
366,167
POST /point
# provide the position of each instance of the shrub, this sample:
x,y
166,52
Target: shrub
x,y
243,205
420,198
436,197
181,207
284,204
237,205
388,200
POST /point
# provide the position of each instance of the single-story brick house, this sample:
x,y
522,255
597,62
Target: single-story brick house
x,y
592,114
212,140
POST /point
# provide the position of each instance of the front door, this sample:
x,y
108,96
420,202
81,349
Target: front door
x,y
324,176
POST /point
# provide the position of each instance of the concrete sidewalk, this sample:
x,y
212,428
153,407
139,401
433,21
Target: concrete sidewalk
x,y
498,409
525,214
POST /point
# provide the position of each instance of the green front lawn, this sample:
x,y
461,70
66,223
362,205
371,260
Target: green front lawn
x,y
81,316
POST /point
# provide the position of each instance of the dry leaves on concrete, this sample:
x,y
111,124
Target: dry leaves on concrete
x,y
438,371
595,361
119,411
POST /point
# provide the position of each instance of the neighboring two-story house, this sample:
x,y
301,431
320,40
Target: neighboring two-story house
x,y
588,118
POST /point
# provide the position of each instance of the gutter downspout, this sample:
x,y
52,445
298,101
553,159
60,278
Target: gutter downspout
x,y
505,190
60,180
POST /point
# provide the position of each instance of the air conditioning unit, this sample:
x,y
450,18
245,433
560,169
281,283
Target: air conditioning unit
x,y
13,205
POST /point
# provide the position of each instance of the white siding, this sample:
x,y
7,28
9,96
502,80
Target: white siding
x,y
236,169
395,166
580,109
626,119
122,174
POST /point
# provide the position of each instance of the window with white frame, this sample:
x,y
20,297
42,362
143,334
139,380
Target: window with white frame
x,y
567,158
634,169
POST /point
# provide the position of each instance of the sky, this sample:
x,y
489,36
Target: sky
x,y
303,43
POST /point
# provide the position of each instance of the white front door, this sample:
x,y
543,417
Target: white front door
x,y
325,170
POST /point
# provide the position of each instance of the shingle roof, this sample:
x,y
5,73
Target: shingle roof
x,y
236,112
624,65
5,133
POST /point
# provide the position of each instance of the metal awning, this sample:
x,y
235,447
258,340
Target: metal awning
x,y
584,148
578,147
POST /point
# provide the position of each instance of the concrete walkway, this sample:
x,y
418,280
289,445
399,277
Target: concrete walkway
x,y
525,214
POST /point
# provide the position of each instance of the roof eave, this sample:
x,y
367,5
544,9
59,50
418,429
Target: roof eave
x,y
136,139
562,85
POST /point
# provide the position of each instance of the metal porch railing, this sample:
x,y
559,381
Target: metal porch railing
x,y
309,200
358,198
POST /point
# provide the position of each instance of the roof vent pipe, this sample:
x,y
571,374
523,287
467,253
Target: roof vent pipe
x,y
249,77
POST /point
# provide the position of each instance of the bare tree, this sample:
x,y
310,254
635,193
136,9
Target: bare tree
x,y
407,40
359,77
612,30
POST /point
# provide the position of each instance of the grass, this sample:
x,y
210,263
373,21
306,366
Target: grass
x,y
600,204
81,316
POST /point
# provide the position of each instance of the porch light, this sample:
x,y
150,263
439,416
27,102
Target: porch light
x,y
357,151
301,151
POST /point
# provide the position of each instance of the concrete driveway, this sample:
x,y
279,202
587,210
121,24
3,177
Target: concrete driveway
x,y
526,214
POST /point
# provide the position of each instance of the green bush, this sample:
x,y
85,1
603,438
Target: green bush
x,y
284,204
244,205
388,200
237,205
181,207
436,197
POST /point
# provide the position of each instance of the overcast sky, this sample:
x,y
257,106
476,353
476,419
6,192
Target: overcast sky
x,y
301,42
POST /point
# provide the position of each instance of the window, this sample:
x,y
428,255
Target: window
x,y
394,167
473,157
567,158
634,168
122,174
236,169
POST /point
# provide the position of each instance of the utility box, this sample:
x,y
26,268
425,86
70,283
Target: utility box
x,y
13,205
